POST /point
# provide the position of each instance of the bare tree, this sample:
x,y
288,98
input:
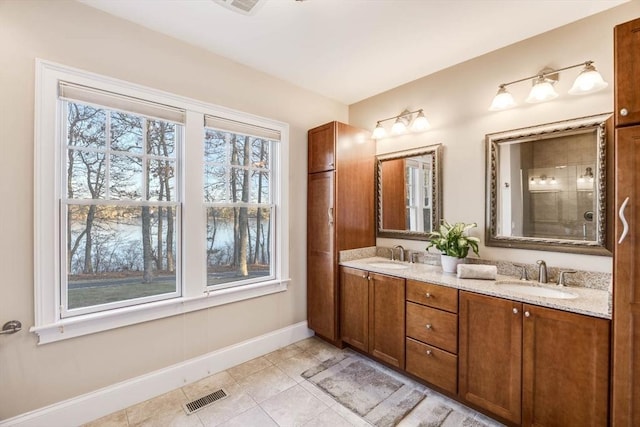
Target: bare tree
x,y
85,128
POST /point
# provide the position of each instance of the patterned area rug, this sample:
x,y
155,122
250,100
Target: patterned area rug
x,y
365,389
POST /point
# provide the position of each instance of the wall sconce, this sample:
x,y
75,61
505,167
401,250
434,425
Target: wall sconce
x,y
403,121
588,81
585,181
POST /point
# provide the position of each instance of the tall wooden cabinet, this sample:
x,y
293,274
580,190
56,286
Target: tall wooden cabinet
x,y
533,366
625,400
340,215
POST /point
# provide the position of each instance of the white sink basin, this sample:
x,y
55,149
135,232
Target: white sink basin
x,y
389,265
536,291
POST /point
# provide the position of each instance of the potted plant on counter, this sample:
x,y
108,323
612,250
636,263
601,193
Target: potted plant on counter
x,y
453,243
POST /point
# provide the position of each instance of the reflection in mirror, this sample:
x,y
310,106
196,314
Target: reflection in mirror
x,y
546,187
409,195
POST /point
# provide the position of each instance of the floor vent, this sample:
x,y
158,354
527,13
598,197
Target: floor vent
x,y
204,401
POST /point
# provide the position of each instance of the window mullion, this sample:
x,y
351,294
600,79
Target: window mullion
x,y
194,226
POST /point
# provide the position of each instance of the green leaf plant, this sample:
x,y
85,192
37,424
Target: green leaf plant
x,y
450,239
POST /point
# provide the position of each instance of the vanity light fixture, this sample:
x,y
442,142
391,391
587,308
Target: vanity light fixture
x,y
587,176
588,81
403,122
542,180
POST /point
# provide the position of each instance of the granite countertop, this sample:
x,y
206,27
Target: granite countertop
x,y
592,302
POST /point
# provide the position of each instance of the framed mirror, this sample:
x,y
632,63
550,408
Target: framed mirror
x,y
409,196
546,187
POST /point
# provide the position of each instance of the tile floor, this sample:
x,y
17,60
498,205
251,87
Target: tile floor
x,y
269,391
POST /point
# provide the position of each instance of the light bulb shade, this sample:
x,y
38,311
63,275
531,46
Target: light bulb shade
x,y
502,100
541,91
399,126
379,132
588,81
420,123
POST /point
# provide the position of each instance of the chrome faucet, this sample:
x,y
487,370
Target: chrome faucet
x,y
400,254
542,271
523,273
562,278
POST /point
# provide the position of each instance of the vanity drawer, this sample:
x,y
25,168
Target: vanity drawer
x,y
433,365
433,295
432,326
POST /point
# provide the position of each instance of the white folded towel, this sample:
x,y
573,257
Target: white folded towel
x,y
477,271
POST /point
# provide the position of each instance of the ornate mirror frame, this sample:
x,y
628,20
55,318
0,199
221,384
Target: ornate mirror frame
x,y
435,151
598,246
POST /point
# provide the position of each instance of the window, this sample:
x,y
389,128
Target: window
x,y
149,204
418,188
119,218
237,194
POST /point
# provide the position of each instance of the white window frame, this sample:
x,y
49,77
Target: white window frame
x,y
49,325
227,203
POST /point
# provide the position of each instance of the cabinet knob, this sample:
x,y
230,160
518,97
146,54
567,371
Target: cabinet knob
x,y
364,276
624,112
429,353
527,314
515,311
428,295
428,326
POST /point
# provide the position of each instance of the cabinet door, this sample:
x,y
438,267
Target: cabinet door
x,y
565,372
625,402
394,215
321,146
386,319
354,307
322,301
627,70
490,354
355,188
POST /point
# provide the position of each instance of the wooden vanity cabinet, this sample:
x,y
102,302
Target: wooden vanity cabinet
x,y
372,314
490,355
432,334
565,368
533,366
627,70
340,215
625,398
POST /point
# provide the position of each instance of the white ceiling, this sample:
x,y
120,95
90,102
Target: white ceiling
x,y
349,50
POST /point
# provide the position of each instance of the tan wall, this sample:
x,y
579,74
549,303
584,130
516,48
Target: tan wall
x,y
456,102
75,35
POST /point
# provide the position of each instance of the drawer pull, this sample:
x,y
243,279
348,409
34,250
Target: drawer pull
x,y
428,295
624,112
429,353
527,314
515,311
428,326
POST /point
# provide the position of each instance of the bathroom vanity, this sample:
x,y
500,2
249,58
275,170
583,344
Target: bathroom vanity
x,y
523,359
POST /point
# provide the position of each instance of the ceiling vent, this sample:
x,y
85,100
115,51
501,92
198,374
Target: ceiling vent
x,y
245,7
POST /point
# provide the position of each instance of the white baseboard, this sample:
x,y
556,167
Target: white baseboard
x,y
96,404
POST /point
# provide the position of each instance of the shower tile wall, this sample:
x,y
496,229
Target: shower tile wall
x,y
560,208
